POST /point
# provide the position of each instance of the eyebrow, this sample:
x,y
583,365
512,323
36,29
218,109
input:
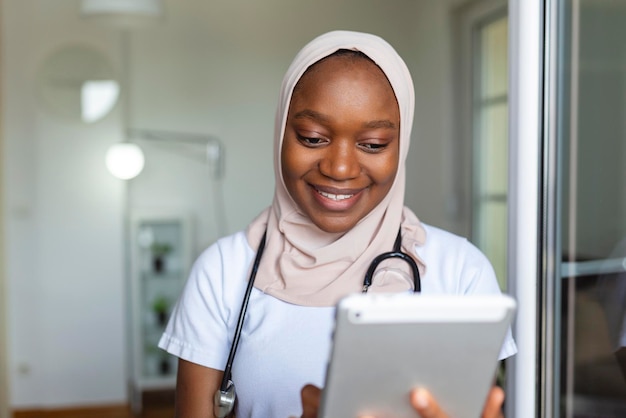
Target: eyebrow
x,y
320,117
376,124
311,114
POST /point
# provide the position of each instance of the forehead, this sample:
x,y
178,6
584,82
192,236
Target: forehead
x,y
338,64
346,81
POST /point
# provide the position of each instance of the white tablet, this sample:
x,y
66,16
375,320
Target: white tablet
x,y
386,344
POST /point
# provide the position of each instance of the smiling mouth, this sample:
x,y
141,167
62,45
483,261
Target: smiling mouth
x,y
335,197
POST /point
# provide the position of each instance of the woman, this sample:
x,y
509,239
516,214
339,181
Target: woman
x,y
342,135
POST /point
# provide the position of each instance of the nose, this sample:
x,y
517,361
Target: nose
x,y
340,161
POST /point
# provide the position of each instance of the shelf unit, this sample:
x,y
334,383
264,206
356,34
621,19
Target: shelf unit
x,y
160,259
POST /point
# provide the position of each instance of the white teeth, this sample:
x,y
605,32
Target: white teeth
x,y
335,196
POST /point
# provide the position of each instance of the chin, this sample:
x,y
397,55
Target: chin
x,y
332,228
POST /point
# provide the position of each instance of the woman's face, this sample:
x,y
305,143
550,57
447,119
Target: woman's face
x,y
341,148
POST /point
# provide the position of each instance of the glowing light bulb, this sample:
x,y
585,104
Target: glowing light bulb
x,y
125,161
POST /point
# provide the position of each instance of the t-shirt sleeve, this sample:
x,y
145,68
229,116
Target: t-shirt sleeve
x,y
478,277
198,327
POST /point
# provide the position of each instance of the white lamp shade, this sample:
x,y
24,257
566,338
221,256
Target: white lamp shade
x,y
98,98
125,160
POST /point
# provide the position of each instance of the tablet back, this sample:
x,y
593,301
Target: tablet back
x,y
386,344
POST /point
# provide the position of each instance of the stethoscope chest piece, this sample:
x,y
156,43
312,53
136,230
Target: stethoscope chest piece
x,y
224,401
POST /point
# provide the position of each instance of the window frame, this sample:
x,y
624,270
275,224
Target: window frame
x,y
469,17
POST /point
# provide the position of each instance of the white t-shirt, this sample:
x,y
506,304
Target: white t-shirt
x,y
285,346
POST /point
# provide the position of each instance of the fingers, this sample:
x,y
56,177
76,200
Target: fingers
x,y
425,405
421,400
493,405
310,401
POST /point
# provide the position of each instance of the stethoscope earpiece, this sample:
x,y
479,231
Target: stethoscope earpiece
x,y
396,253
417,284
224,401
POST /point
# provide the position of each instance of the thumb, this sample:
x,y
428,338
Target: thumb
x,y
425,405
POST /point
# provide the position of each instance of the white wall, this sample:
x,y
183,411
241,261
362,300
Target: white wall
x,y
208,67
64,227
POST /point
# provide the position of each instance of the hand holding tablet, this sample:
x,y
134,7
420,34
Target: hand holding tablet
x,y
385,345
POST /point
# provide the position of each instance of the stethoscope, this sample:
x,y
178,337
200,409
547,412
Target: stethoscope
x,y
224,399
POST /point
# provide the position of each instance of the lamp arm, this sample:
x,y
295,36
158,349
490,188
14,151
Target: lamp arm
x,y
214,147
172,136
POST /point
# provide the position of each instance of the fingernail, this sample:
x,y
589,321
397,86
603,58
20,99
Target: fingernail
x,y
420,397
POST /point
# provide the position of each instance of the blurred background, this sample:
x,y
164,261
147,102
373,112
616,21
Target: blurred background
x,y
92,263
79,308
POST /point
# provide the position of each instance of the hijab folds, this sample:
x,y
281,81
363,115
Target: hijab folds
x,y
301,263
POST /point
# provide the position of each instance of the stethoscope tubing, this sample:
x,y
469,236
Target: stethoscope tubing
x,y
367,281
417,282
242,314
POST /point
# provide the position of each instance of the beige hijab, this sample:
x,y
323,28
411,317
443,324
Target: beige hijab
x,y
304,265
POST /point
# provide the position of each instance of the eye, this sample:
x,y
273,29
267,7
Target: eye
x,y
311,141
372,147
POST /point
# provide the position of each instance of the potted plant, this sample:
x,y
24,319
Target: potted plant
x,y
164,364
159,360
160,306
159,250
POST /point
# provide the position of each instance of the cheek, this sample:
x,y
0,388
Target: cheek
x,y
289,161
293,167
386,170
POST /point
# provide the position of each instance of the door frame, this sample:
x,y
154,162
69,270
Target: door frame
x,y
526,51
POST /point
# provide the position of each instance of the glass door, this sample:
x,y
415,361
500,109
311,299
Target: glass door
x,y
590,204
567,221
